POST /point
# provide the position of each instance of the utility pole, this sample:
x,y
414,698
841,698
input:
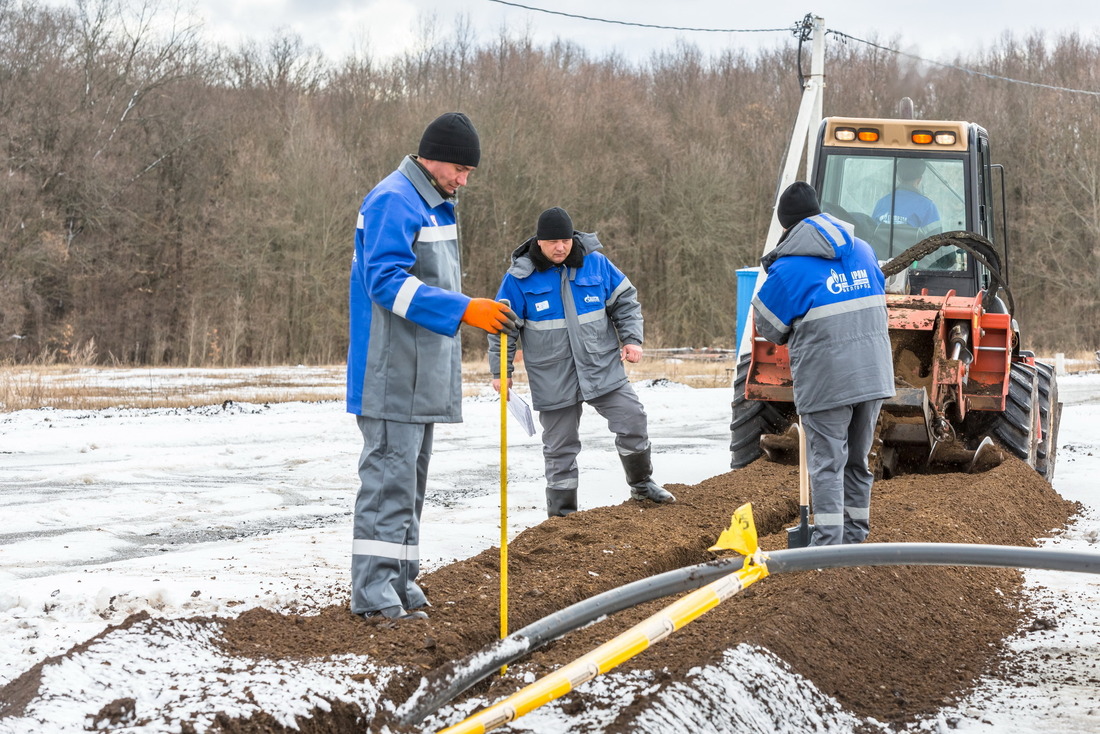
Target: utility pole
x,y
802,141
805,126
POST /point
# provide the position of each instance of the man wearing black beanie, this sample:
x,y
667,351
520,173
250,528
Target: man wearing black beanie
x,y
798,201
824,296
404,362
579,320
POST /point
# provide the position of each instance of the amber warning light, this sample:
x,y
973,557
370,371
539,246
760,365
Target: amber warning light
x,y
850,134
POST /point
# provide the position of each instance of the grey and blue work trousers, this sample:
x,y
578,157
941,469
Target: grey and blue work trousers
x,y
838,441
561,441
393,476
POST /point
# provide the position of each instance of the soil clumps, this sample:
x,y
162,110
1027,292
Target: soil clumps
x,y
893,643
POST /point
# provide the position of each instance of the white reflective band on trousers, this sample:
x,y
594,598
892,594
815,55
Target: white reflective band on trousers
x,y
381,548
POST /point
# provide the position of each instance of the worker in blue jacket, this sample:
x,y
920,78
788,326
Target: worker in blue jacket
x,y
579,320
824,296
404,362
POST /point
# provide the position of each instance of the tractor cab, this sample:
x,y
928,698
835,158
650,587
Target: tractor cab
x,y
899,181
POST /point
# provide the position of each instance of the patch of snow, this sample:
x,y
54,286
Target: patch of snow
x,y
185,512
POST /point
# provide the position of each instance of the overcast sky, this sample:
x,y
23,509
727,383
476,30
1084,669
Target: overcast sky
x,y
933,30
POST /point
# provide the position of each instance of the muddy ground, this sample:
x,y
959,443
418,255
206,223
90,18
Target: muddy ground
x,y
890,643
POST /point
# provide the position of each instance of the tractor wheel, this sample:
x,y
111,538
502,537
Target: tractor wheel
x,y
1050,413
1015,428
751,420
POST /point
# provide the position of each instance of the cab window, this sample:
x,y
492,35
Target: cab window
x,y
895,202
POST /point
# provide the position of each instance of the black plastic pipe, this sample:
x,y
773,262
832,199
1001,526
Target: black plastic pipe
x,y
452,679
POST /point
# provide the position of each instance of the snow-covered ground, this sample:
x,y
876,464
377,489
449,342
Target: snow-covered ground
x,y
185,512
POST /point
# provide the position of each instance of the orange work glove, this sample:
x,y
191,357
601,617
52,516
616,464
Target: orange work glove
x,y
493,317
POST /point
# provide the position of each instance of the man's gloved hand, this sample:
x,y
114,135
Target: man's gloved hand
x,y
493,317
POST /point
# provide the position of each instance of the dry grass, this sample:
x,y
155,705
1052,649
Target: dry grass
x,y
92,388
702,368
72,388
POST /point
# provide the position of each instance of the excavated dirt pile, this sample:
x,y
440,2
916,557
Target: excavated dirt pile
x,y
892,643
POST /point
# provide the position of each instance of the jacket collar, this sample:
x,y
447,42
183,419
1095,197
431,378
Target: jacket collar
x,y
527,257
821,236
422,182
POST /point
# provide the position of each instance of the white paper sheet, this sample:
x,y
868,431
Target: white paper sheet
x,y
521,411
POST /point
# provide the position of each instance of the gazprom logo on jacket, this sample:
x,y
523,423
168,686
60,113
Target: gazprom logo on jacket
x,y
591,299
838,282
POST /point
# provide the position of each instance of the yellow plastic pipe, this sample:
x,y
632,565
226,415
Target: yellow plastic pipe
x,y
621,648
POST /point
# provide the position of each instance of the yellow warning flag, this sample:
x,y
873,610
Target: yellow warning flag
x,y
740,537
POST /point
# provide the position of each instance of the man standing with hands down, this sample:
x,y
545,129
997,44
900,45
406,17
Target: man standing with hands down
x,y
404,362
579,320
825,298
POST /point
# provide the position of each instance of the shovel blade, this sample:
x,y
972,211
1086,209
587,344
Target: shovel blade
x,y
799,536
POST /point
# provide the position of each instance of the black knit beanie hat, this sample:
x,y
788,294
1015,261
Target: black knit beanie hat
x,y
796,203
451,138
554,224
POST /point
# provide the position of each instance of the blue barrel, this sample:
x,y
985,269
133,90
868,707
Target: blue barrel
x,y
746,284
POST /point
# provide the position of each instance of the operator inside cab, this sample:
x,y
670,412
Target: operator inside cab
x,y
906,205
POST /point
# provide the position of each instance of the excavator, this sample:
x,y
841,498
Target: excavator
x,y
921,193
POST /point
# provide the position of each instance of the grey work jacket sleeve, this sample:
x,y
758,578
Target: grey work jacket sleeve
x,y
626,313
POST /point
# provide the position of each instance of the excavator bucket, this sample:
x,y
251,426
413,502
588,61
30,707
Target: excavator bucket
x,y
781,448
951,454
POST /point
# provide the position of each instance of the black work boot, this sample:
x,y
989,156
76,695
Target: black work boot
x,y
639,471
560,502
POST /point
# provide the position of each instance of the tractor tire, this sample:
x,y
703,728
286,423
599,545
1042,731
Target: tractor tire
x,y
1050,414
751,420
1015,428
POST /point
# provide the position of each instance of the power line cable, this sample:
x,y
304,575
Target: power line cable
x,y
963,69
647,25
799,29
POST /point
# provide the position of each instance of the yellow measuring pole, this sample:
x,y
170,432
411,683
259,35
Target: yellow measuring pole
x,y
503,489
628,644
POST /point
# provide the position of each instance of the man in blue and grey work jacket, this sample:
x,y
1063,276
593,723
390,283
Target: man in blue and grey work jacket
x,y
579,320
404,362
824,296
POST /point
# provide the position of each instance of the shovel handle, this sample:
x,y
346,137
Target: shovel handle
x,y
803,472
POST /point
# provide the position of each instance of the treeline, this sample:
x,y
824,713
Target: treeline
x,y
169,201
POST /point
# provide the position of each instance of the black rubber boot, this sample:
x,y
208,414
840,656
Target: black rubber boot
x,y
560,502
639,471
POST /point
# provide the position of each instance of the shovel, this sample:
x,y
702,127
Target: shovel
x,y
799,535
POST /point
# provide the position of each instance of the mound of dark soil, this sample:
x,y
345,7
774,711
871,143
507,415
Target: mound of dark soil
x,y
892,643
